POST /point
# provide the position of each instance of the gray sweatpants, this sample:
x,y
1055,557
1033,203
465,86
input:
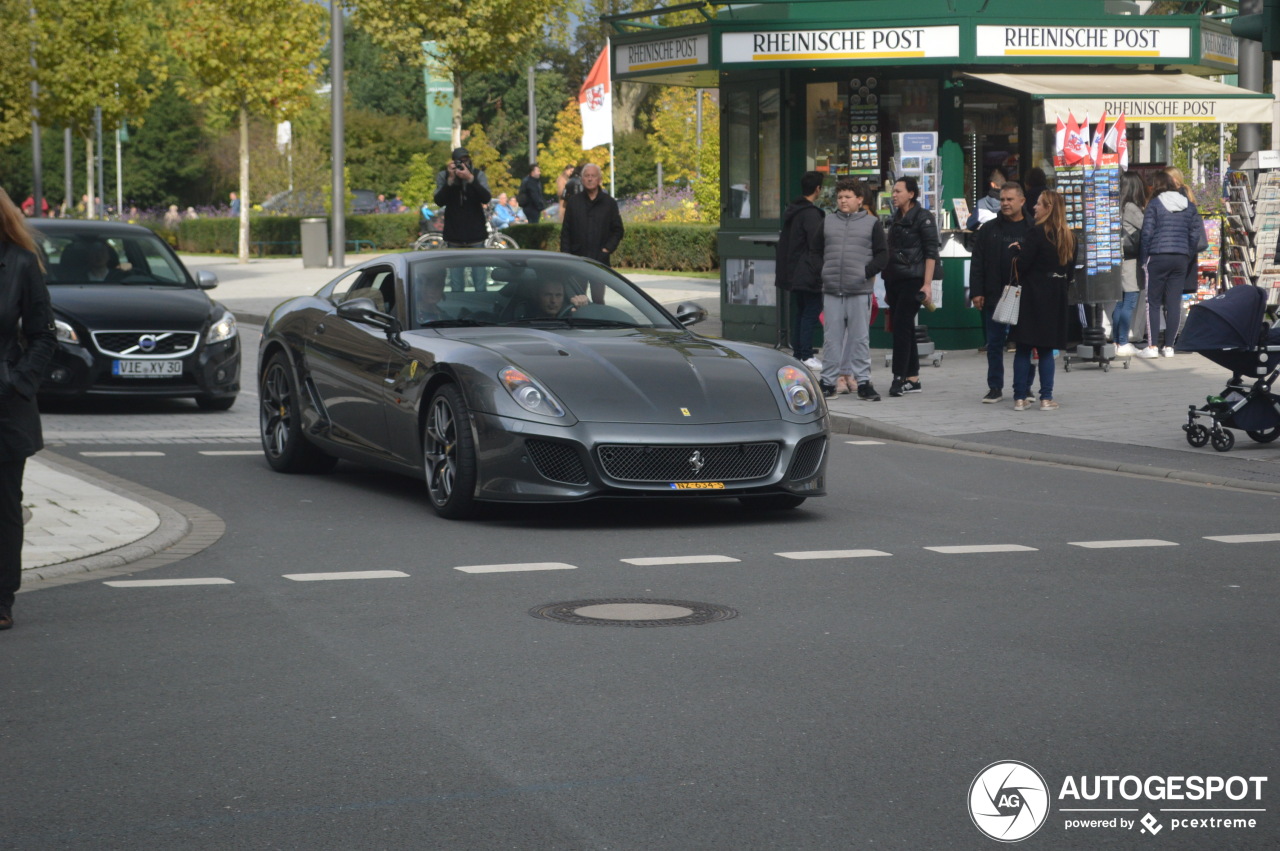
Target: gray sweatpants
x,y
846,337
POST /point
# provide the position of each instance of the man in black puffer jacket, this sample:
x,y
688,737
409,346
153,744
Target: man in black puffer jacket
x,y
989,271
799,262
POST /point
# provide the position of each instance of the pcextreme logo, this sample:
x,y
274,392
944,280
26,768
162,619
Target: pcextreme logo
x,y
1009,801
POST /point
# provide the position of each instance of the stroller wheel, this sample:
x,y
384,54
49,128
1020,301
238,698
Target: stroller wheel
x,y
1197,435
1223,440
1265,436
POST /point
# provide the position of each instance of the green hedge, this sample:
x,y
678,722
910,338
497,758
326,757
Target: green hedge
x,y
282,234
645,246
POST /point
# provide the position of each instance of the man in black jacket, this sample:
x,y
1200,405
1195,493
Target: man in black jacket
x,y
989,272
529,196
799,262
591,225
463,191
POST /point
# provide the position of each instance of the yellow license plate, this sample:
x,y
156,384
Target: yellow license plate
x,y
697,486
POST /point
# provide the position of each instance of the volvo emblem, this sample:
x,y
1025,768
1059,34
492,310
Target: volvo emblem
x,y
147,342
696,461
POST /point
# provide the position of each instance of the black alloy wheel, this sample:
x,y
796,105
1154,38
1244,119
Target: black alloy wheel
x,y
449,454
280,423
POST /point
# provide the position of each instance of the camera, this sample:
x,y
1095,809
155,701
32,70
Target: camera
x,y
459,165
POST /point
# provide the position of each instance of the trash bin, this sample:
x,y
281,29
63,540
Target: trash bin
x,y
315,243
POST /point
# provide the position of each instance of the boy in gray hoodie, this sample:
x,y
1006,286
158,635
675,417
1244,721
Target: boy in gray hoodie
x,y
855,250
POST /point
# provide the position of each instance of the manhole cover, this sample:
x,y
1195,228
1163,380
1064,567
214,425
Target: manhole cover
x,y
632,612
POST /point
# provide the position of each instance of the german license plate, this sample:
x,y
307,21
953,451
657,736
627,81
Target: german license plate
x,y
146,368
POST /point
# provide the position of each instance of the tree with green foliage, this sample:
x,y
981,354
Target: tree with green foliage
x,y
165,159
382,80
249,57
101,55
675,136
470,35
15,71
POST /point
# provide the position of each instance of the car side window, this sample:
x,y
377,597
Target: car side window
x,y
377,283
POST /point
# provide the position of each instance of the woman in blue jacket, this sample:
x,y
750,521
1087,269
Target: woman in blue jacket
x,y
1171,230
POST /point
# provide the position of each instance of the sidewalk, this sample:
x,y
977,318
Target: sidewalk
x,y
1125,420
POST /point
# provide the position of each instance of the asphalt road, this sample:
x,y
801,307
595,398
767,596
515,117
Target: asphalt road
x,y
850,703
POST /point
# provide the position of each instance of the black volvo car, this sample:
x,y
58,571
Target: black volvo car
x,y
131,319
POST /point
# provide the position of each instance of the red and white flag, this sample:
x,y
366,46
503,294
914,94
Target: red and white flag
x,y
1059,140
595,101
1075,148
1120,144
1095,147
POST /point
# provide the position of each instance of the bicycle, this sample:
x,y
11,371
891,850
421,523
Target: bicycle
x,y
495,239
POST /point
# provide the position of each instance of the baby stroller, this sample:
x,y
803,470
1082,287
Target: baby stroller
x,y
1231,331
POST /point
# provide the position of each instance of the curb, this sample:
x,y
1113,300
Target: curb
x,y
867,427
185,529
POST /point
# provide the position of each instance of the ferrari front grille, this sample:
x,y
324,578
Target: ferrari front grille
x,y
714,463
558,462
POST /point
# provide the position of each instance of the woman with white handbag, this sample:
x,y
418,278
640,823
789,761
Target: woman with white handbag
x,y
1044,264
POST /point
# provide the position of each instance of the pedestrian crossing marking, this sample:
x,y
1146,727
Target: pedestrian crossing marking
x,y
816,554
1111,545
348,574
517,567
983,548
659,560
230,451
122,454
160,583
1244,539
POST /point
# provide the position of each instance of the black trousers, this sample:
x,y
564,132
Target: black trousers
x,y
10,529
904,301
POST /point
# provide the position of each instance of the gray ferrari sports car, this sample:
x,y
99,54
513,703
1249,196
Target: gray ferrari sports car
x,y
529,376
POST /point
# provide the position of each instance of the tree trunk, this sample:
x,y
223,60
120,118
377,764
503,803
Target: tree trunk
x,y
627,97
90,209
244,185
457,109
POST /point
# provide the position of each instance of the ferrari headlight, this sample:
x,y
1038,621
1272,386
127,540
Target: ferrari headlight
x,y
66,333
529,394
798,390
223,329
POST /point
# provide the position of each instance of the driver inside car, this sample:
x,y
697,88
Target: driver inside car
x,y
428,292
549,301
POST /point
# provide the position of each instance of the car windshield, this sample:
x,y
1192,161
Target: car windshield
x,y
551,291
89,258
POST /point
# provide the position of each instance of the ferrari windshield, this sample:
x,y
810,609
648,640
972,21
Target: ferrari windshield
x,y
91,258
500,289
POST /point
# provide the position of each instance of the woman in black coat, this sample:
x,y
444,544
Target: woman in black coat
x,y
1045,262
913,251
27,341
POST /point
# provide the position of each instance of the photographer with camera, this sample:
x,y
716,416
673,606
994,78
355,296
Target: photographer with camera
x,y
462,191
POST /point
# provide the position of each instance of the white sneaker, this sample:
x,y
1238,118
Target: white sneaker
x,y
1167,352
814,364
1125,351
1149,352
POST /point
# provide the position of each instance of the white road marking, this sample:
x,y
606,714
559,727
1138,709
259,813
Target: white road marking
x,y
812,554
122,454
159,583
1244,539
1111,545
512,568
350,574
230,451
983,548
865,442
680,560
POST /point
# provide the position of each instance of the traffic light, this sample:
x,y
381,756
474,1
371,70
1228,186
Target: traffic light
x,y
1263,27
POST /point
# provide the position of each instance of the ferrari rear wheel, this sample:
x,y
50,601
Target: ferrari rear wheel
x,y
772,502
449,454
280,423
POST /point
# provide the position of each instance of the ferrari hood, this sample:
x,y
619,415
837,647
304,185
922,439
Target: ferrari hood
x,y
639,376
132,306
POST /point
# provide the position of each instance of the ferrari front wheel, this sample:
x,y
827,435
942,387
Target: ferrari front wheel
x,y
449,454
280,423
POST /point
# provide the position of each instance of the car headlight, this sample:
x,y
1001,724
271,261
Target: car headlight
x,y
529,394
223,329
798,390
66,333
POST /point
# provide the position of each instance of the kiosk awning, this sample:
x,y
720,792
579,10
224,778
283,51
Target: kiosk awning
x,y
1140,97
